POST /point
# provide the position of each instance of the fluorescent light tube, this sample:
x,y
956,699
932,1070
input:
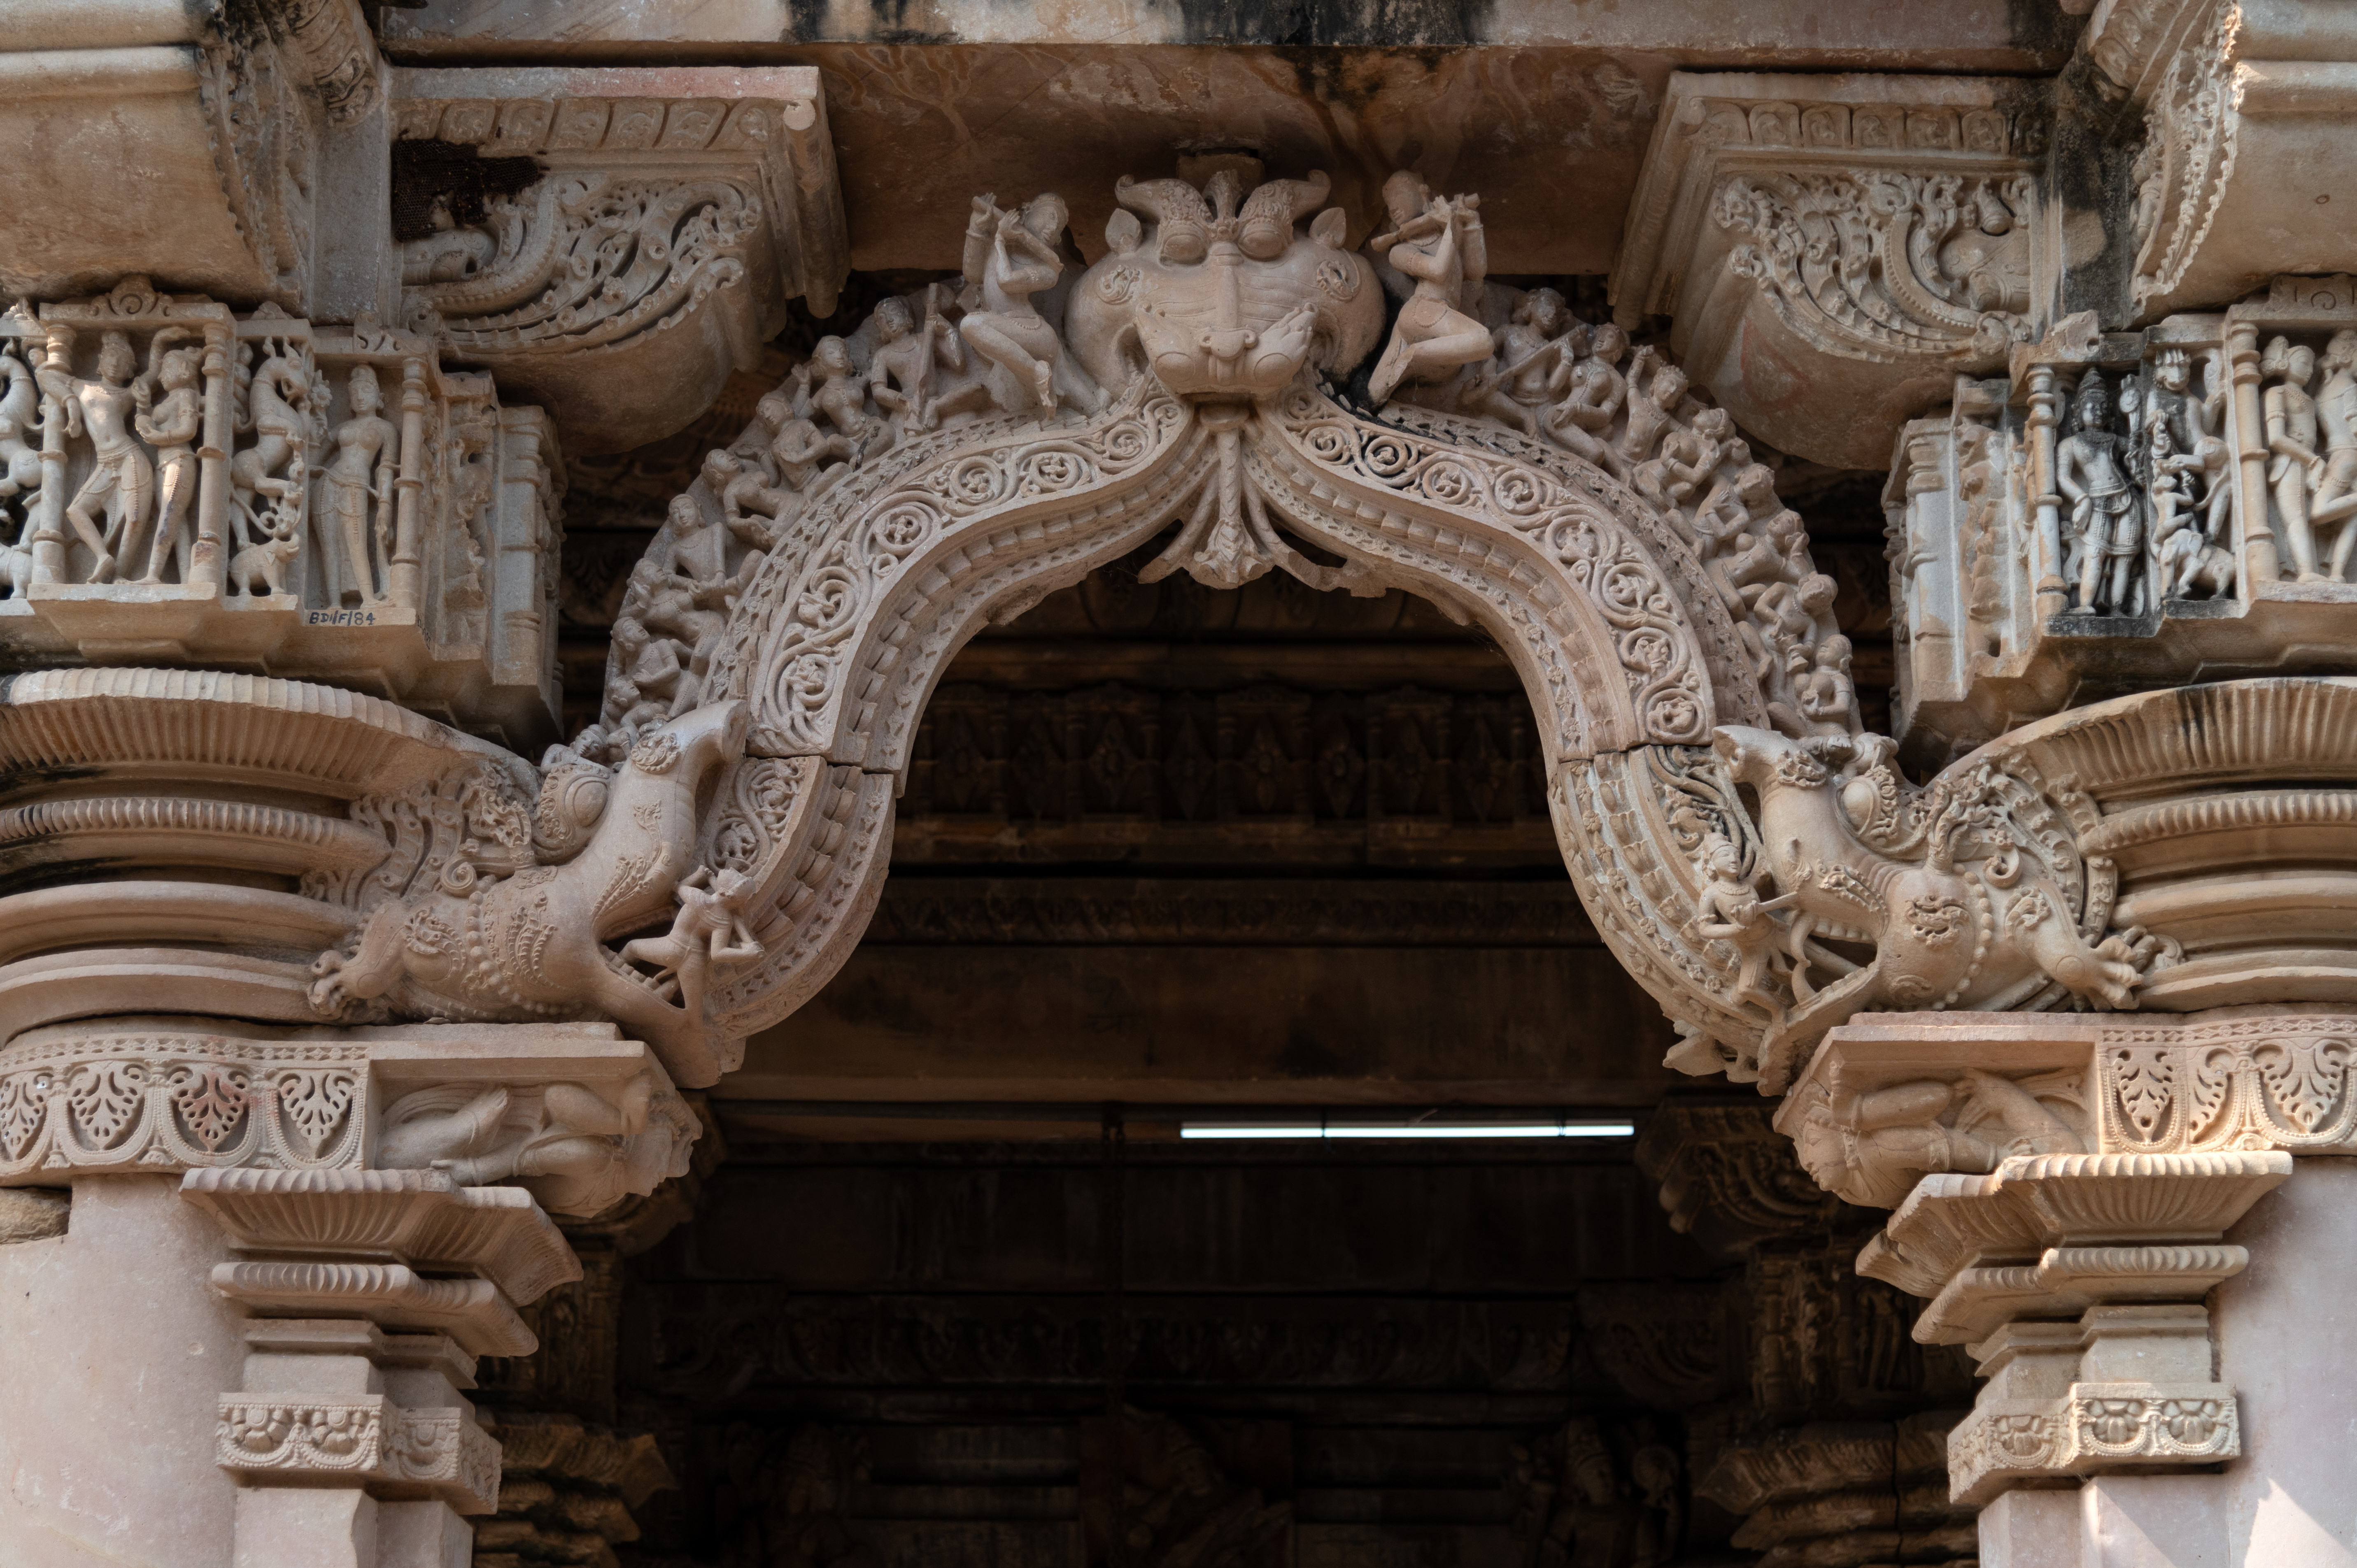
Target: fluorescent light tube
x,y
1408,1130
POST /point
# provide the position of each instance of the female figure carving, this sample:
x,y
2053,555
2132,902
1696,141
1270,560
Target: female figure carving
x,y
366,445
123,483
171,427
2294,468
2336,411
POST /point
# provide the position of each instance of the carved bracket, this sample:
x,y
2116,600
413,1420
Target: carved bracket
x,y
579,1117
679,209
1835,250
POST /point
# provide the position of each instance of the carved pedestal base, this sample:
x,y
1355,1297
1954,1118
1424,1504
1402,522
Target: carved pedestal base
x,y
2124,1386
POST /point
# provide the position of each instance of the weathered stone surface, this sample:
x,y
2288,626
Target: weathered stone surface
x,y
1355,579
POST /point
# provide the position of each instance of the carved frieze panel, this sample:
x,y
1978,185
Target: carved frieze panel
x,y
2128,507
187,484
363,1439
677,212
166,1101
1833,250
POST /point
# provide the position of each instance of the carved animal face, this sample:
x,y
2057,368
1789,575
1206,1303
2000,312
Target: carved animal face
x,y
695,743
1207,292
1750,754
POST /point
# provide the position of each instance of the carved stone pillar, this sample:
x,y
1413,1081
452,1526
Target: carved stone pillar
x,y
2075,1195
296,1241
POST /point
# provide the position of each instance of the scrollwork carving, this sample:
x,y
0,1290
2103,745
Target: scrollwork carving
x,y
1827,251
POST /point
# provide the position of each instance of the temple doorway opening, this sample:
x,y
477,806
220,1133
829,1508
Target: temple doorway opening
x,y
1172,857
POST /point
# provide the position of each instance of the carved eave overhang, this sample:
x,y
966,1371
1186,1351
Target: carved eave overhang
x,y
2242,171
1833,250
203,145
678,213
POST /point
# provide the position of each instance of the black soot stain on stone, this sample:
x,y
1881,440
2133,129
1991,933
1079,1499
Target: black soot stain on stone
x,y
428,172
1325,24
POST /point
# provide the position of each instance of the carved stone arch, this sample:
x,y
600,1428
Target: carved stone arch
x,y
1622,642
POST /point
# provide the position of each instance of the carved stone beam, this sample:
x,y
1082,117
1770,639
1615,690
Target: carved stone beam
x,y
676,212
210,147
2240,176
1833,250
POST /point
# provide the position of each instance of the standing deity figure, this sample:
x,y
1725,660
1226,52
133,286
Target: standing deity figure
x,y
2091,468
1009,257
123,482
1436,241
171,425
368,452
2294,467
2336,410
